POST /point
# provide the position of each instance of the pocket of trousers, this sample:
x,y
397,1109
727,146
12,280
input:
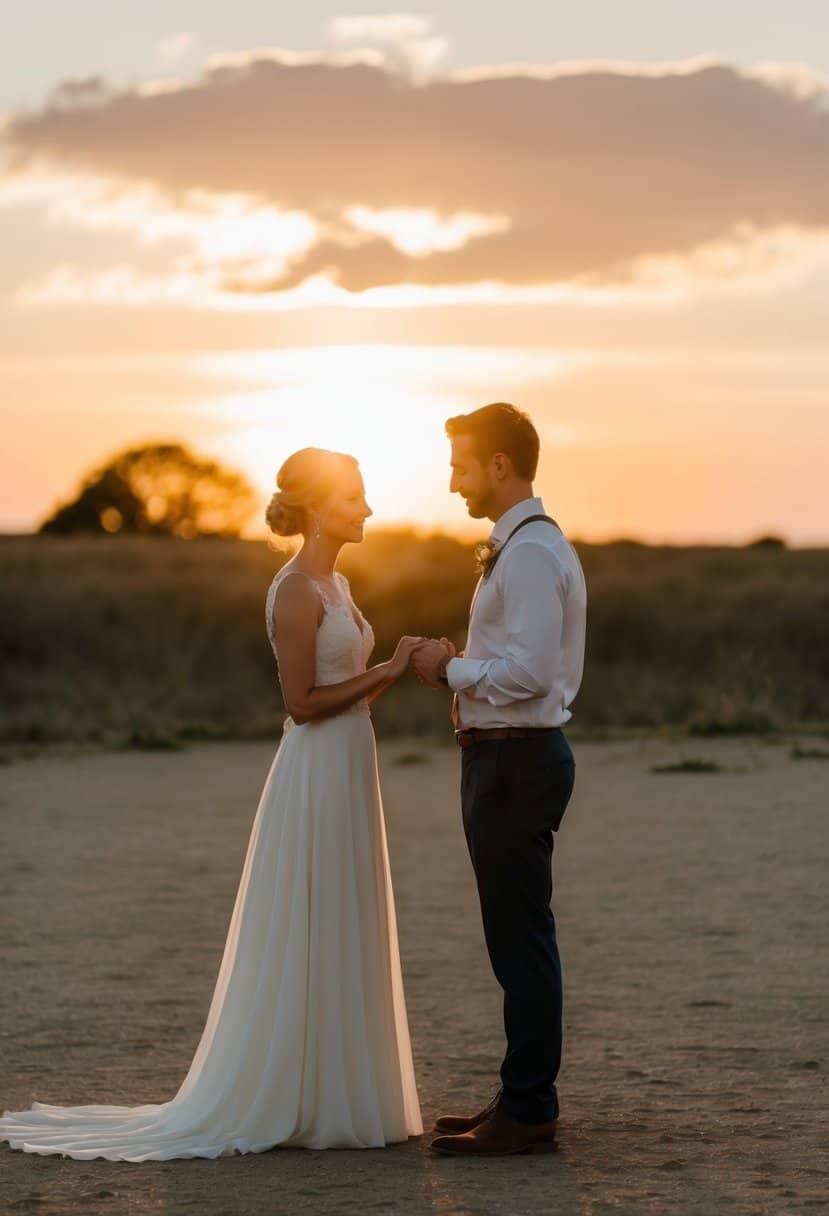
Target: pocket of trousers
x,y
541,781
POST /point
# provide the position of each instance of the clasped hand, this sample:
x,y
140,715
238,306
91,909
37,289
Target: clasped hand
x,y
424,656
426,660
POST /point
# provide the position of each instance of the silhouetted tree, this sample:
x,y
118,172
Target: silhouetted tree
x,y
160,489
767,542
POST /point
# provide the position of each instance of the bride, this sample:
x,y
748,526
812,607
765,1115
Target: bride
x,y
306,1041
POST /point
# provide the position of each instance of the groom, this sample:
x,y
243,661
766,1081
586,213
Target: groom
x,y
519,673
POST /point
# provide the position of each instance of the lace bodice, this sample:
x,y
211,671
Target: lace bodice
x,y
343,646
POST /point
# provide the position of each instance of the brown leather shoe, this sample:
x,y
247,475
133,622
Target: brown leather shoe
x,y
499,1135
455,1125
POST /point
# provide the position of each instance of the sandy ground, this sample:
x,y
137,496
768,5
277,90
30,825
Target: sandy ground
x,y
692,912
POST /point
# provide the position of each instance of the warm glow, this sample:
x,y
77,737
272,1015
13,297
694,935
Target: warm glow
x,y
395,433
398,459
248,247
658,445
385,405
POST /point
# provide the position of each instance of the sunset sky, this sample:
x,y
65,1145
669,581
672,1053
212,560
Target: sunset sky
x,y
252,226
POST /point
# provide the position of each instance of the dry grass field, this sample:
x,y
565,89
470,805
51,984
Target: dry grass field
x,y
151,642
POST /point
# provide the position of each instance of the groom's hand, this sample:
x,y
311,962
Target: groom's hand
x,y
428,659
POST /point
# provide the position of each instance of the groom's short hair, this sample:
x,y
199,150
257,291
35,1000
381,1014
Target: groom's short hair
x,y
500,427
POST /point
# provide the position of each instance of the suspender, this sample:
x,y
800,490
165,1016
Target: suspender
x,y
530,520
489,563
488,567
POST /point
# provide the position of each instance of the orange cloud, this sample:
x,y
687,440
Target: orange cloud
x,y
587,178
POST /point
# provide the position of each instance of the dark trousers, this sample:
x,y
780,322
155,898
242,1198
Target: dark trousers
x,y
514,793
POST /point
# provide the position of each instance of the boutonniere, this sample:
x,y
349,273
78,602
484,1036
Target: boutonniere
x,y
486,555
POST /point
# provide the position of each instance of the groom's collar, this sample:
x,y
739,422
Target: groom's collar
x,y
522,510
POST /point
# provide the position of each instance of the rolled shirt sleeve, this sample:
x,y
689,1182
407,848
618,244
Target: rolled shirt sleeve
x,y
534,591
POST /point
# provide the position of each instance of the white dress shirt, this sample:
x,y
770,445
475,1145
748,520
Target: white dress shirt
x,y
524,655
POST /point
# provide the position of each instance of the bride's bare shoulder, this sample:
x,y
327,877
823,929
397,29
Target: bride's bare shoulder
x,y
297,596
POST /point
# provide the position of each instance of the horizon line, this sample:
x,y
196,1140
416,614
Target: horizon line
x,y
769,538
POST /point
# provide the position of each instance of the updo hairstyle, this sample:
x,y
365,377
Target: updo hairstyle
x,y
305,481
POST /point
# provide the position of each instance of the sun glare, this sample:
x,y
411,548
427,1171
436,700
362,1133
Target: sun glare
x,y
385,404
389,432
393,426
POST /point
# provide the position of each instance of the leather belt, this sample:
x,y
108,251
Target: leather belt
x,y
466,738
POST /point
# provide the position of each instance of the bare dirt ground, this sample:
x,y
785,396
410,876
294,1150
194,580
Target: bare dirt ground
x,y
692,914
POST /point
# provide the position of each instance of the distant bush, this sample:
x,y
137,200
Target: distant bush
x,y
745,723
693,765
768,542
808,753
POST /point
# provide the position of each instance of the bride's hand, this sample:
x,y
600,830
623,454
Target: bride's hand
x,y
400,660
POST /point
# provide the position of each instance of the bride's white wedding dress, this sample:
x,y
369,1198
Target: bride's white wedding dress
x,y
306,1041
